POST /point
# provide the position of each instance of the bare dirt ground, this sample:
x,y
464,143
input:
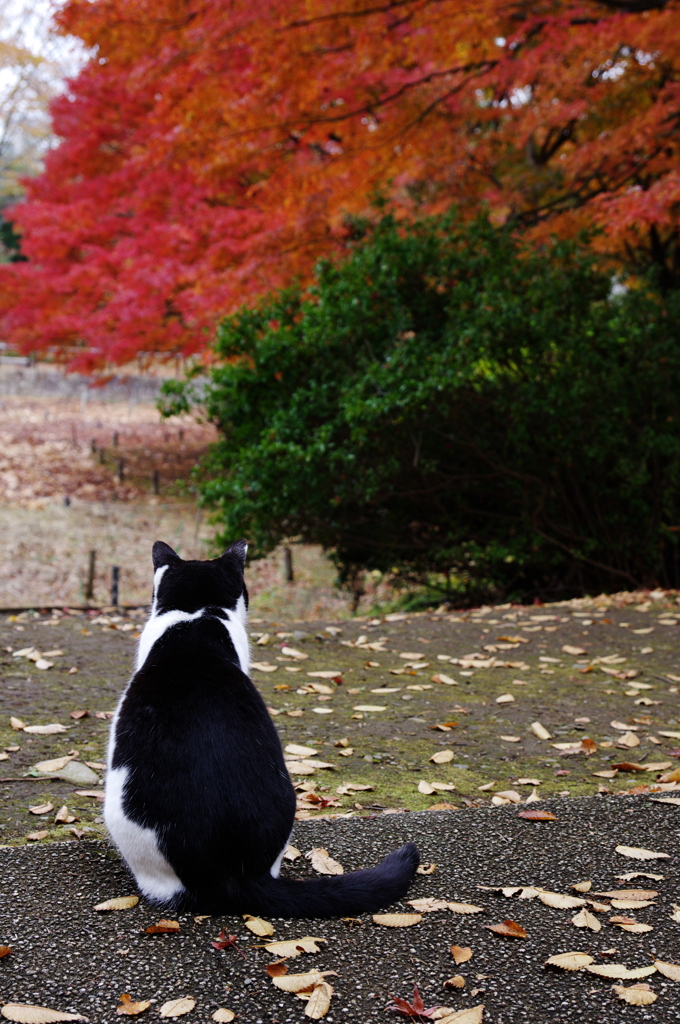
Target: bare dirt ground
x,y
63,493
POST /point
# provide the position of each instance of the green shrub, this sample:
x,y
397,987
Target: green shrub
x,y
451,404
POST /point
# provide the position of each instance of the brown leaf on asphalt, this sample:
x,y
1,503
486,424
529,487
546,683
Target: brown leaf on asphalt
x,y
464,908
294,947
177,1007
120,903
5,951
675,916
631,904
41,808
426,869
77,715
636,995
322,862
509,929
24,1013
461,954
583,886
671,971
292,853
675,800
416,1008
129,1008
638,853
629,925
223,1016
584,919
588,746
319,1002
457,981
629,739
397,920
163,927
537,815
673,776
277,969
570,961
628,876
620,971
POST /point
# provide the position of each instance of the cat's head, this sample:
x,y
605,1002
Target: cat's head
x,y
188,586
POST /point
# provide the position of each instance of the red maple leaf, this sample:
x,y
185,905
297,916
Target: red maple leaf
x,y
227,941
416,1008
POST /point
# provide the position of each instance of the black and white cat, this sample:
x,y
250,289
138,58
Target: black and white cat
x,y
198,798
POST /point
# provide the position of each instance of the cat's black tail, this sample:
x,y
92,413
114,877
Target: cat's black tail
x,y
331,896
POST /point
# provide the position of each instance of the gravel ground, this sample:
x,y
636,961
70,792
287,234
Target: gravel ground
x,y
67,956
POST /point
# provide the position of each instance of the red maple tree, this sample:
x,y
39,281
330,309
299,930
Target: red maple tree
x,y
211,152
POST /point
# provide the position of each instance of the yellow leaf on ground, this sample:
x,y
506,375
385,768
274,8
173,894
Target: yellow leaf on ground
x,y
178,1007
560,901
299,982
257,926
223,1016
41,808
33,837
322,862
397,920
129,1008
17,724
583,886
671,971
461,954
26,1014
292,853
442,757
293,748
570,961
464,908
620,971
638,853
475,1015
584,919
427,904
319,1002
457,981
120,903
290,948
636,995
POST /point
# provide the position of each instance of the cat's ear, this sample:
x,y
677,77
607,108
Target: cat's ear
x,y
238,551
163,554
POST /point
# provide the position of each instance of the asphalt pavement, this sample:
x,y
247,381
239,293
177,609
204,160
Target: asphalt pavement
x,y
68,957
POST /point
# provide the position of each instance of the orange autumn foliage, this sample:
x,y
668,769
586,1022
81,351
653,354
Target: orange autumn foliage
x,y
211,152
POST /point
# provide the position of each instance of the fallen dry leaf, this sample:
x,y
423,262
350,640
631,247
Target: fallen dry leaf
x,y
128,1008
33,837
629,739
537,815
461,954
120,903
475,1015
570,961
629,894
258,926
631,904
299,982
5,951
54,765
427,904
294,947
636,927
178,1007
464,908
41,808
675,916
319,1002
292,853
292,748
636,995
505,698
620,971
638,853
397,920
223,1016
560,901
163,927
675,800
570,649
583,886
442,757
671,971
510,929
45,730
584,919
457,981
426,869
17,724
26,1014
322,862
64,817
277,969
416,1008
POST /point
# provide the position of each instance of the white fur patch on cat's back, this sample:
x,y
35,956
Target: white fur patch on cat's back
x,y
236,627
138,846
156,626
